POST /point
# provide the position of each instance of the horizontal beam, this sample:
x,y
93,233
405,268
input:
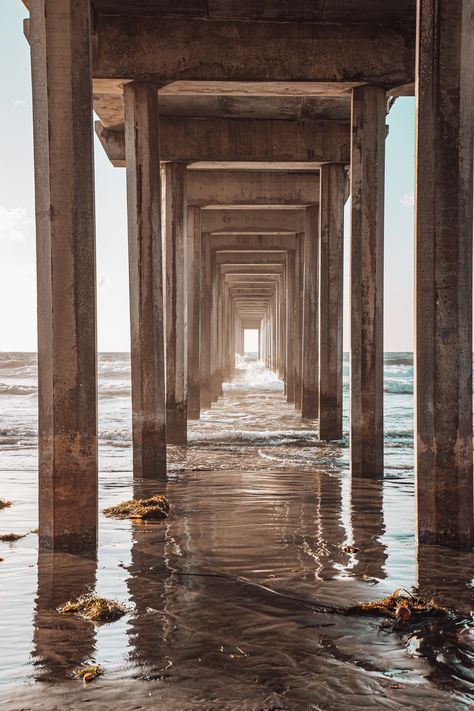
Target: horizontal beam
x,y
291,220
240,188
167,49
216,139
219,243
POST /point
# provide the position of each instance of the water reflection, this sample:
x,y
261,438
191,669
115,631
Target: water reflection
x,y
368,528
61,643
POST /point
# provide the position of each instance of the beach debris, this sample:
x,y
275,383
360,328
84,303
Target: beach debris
x,y
88,672
95,608
10,537
1,560
351,549
4,504
154,508
402,607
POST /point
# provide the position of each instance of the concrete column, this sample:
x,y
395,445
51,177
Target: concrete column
x,y
174,207
298,316
194,299
65,232
214,331
310,356
146,280
290,327
331,266
443,355
205,318
367,187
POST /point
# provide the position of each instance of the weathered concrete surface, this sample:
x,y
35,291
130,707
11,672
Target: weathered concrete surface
x,y
169,49
443,358
310,348
146,281
256,220
174,218
64,184
290,328
194,299
250,189
205,320
215,140
367,185
331,266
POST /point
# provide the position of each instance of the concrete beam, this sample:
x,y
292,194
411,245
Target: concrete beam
x,y
216,139
167,49
250,189
253,221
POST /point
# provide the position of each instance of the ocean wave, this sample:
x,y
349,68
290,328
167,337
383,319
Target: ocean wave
x,y
17,389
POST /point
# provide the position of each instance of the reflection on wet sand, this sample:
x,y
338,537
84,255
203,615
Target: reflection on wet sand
x,y
236,598
61,643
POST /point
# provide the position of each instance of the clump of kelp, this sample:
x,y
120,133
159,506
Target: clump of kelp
x,y
95,608
402,607
154,508
89,672
4,504
11,537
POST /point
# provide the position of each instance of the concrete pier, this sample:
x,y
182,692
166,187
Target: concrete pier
x,y
194,298
145,281
331,265
173,181
367,211
65,234
310,347
443,357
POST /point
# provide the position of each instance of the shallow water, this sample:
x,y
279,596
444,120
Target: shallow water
x,y
233,600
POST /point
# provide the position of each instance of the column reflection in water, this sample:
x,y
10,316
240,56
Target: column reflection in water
x,y
149,628
61,643
368,527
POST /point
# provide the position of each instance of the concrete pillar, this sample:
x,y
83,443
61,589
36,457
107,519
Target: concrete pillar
x,y
367,187
331,266
443,355
194,299
205,318
146,280
214,331
290,327
310,356
173,179
65,232
298,316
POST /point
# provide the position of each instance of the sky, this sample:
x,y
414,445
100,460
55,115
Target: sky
x,y
17,230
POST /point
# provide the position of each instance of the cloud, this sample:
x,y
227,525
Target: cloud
x,y
12,223
408,200
103,281
19,104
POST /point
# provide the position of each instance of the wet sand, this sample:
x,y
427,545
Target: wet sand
x,y
231,599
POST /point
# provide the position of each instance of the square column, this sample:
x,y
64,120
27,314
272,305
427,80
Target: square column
x,y
65,233
331,266
145,280
175,248
310,355
366,290
443,292
205,320
290,327
194,299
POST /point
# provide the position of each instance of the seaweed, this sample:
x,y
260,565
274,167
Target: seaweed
x,y
4,504
88,672
154,508
10,537
401,608
95,608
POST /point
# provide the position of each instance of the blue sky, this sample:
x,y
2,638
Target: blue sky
x,y
17,247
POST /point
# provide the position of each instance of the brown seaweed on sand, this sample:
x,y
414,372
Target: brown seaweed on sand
x,y
4,504
399,607
10,537
95,608
89,672
154,508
